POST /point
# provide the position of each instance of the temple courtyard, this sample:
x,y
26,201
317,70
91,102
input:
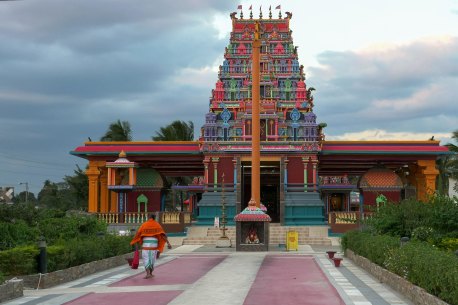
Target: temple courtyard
x,y
205,275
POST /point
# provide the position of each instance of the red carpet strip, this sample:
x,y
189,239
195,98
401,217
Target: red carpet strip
x,y
183,270
291,280
123,298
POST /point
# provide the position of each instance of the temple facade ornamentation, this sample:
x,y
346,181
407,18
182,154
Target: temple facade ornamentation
x,y
304,178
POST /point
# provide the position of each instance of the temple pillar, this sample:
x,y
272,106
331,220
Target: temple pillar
x,y
234,162
113,202
206,162
103,190
93,197
314,174
276,127
426,177
215,161
305,161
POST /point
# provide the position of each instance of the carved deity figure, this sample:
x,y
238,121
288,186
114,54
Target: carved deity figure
x,y
252,236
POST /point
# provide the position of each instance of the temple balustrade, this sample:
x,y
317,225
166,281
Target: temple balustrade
x,y
173,221
333,180
341,222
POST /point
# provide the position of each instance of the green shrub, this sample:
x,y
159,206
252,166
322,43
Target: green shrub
x,y
19,211
57,258
16,234
54,229
440,215
420,263
116,245
400,219
19,261
448,243
373,247
444,215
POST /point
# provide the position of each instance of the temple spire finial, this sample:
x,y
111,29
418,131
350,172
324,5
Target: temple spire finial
x,y
260,12
270,12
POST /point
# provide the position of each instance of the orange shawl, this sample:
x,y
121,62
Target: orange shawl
x,y
150,228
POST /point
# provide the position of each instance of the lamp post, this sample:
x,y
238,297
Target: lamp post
x,y
223,241
26,191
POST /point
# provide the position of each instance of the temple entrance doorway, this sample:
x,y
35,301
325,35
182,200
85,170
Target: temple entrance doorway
x,y
336,203
270,187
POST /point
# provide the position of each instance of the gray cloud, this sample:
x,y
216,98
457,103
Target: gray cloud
x,y
396,89
69,68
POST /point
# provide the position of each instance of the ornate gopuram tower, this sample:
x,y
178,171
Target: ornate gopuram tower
x,y
290,139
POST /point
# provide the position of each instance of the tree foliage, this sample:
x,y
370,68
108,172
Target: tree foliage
x,y
432,221
70,194
176,131
118,131
448,167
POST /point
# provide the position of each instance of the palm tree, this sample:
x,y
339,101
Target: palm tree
x,y
118,131
448,167
176,131
453,165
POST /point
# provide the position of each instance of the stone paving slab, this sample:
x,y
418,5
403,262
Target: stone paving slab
x,y
228,280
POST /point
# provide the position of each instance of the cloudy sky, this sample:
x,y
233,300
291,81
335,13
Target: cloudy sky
x,y
382,69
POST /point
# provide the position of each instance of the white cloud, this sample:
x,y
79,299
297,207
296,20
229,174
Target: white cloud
x,y
384,135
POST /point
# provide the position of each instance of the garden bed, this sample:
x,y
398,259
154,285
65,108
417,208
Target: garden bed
x,y
416,294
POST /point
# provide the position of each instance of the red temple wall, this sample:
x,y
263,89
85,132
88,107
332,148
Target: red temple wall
x,y
154,200
295,170
211,170
226,166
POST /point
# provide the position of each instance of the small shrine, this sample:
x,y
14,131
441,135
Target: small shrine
x,y
122,178
252,227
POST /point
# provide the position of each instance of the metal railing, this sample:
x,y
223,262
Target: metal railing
x,y
348,217
301,187
137,218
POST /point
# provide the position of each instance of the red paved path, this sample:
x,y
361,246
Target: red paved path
x,y
130,298
291,280
182,270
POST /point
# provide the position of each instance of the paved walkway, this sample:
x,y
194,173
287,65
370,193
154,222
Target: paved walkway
x,y
204,275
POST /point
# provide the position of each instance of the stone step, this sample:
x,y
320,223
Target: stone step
x,y
277,235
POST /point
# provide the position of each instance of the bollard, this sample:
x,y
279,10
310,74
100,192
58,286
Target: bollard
x,y
42,258
404,240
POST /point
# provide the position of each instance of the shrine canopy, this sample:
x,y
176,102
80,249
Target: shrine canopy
x,y
357,157
169,158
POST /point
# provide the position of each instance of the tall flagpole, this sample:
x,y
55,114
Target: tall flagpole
x,y
255,137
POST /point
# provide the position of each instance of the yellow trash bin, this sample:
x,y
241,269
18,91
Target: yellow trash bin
x,y
292,240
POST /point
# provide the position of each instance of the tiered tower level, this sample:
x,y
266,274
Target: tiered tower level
x,y
286,103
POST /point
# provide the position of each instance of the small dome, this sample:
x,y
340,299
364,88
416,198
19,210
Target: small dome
x,y
380,178
122,157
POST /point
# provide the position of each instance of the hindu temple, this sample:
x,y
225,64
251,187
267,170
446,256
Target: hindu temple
x,y
304,179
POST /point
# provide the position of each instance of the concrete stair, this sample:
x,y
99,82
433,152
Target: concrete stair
x,y
209,235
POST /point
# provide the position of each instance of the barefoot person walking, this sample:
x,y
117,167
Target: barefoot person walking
x,y
153,239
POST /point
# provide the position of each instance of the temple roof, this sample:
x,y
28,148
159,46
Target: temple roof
x,y
380,178
383,147
137,148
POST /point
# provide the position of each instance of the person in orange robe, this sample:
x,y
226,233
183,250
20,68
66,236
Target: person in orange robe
x,y
153,239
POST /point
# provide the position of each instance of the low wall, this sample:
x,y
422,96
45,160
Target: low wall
x,y
11,289
51,279
417,295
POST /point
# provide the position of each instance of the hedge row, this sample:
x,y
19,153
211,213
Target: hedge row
x,y
420,263
69,253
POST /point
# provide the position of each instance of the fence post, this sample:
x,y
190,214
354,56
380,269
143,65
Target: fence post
x,y
42,257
